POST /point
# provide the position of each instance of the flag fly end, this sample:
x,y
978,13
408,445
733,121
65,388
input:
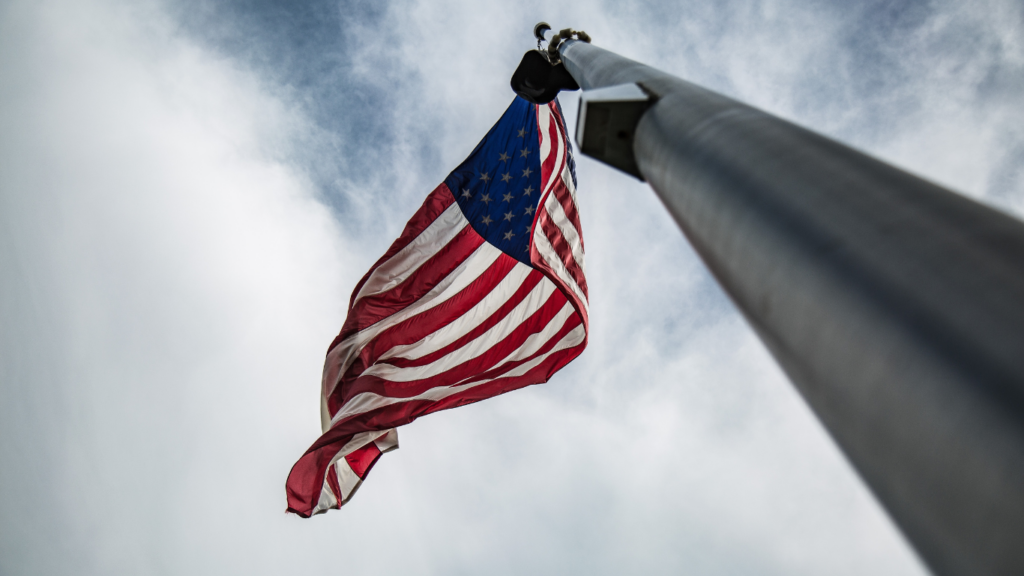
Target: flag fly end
x,y
482,294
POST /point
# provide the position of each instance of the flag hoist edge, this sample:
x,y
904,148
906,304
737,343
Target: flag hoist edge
x,y
483,293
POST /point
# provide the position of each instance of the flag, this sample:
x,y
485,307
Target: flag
x,y
483,293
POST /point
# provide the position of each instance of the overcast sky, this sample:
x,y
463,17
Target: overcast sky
x,y
189,191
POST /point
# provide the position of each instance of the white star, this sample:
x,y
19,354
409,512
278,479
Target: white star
x,y
527,172
466,193
503,157
522,133
524,152
529,209
507,197
486,220
528,190
485,177
485,198
509,235
508,215
506,177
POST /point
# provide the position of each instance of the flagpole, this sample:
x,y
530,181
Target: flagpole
x,y
895,306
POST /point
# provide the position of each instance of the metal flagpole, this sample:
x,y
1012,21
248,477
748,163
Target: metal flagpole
x,y
895,306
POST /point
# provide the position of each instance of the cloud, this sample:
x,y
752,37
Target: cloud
x,y
170,286
190,190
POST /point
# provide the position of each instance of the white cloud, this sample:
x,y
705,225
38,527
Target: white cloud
x,y
169,289
171,281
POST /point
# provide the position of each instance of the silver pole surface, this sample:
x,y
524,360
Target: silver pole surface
x,y
895,306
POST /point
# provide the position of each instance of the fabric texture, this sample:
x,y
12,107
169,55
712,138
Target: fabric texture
x,y
483,293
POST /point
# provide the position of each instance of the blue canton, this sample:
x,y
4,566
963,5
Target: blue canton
x,y
498,186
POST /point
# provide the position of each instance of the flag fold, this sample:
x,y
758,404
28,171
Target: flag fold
x,y
483,293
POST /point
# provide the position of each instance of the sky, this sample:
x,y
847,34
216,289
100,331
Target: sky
x,y
189,191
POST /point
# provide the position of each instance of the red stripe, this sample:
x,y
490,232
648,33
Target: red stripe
x,y
529,283
422,325
419,326
306,477
436,203
474,366
548,166
556,111
372,309
406,412
363,459
541,264
538,375
332,483
344,390
570,324
377,419
543,199
561,189
563,250
561,192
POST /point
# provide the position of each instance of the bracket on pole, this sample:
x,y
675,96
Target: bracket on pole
x,y
538,81
607,122
541,75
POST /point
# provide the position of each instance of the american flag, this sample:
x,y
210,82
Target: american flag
x,y
483,293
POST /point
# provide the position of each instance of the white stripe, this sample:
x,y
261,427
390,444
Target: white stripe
x,y
566,227
325,413
556,146
547,252
371,401
327,499
341,356
543,121
530,345
468,321
348,481
567,179
388,442
477,347
407,260
537,340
